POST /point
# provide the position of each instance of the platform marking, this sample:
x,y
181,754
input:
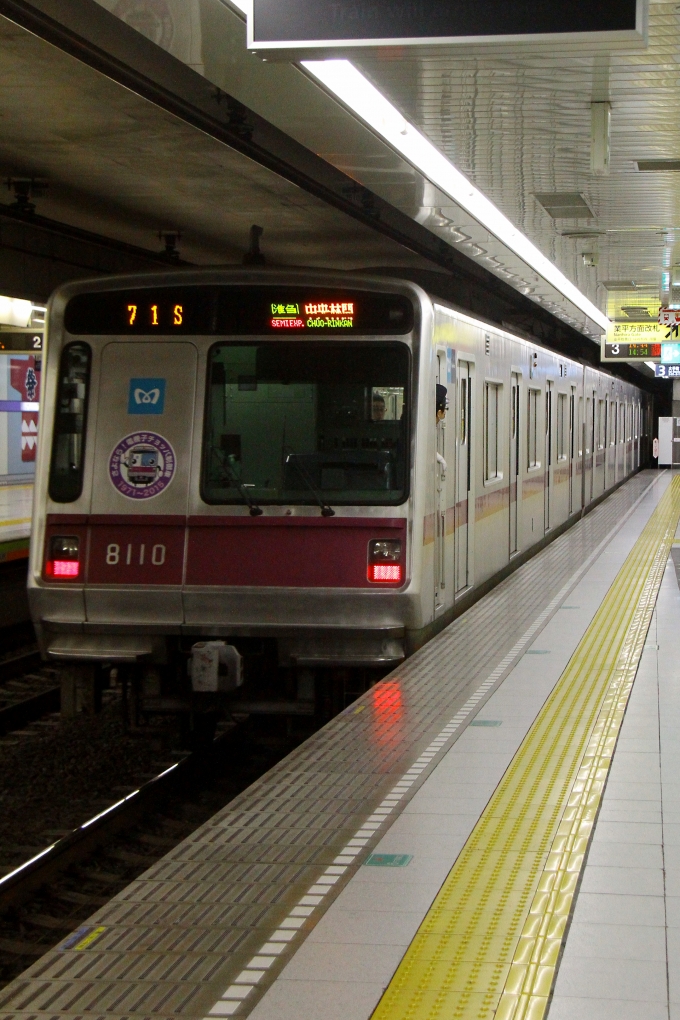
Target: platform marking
x,y
231,1000
489,945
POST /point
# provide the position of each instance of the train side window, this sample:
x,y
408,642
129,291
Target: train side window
x,y
561,426
532,429
579,427
70,424
492,411
601,424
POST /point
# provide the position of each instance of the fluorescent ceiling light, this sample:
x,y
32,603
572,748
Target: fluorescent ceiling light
x,y
362,97
15,311
350,86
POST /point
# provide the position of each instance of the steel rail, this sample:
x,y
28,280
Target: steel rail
x,y
19,885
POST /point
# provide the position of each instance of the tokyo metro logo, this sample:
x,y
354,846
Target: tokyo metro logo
x,y
146,396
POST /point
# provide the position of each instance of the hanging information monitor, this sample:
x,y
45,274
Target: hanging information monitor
x,y
21,342
633,341
323,24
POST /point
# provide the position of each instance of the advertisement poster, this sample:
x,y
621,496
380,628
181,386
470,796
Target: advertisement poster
x,y
19,401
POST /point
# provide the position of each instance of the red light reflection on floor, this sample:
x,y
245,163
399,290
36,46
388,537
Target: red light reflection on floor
x,y
388,714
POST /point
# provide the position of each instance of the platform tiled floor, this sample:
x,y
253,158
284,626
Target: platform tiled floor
x,y
622,957
180,934
16,502
348,959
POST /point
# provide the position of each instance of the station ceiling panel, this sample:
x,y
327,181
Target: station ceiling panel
x,y
119,165
517,121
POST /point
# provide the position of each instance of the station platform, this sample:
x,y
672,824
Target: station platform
x,y
489,832
16,501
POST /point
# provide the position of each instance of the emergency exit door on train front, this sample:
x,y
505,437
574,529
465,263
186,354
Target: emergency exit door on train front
x,y
142,460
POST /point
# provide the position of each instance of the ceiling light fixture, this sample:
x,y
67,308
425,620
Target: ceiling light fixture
x,y
347,83
344,81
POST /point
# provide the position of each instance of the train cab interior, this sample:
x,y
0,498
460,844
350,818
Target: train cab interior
x,y
299,422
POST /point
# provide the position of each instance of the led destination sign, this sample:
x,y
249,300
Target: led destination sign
x,y
631,352
317,315
238,311
21,341
325,23
631,341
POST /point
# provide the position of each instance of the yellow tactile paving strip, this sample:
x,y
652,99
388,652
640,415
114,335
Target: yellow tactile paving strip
x,y
489,945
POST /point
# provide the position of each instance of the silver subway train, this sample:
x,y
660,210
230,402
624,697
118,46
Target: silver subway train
x,y
324,466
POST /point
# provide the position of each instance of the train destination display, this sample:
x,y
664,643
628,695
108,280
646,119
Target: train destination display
x,y
238,311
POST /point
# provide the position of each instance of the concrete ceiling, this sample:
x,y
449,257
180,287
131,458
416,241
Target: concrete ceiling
x,y
121,167
517,122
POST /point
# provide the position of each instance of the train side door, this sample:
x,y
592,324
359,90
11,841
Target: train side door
x,y
463,495
441,467
593,442
572,450
608,480
617,444
514,461
588,452
144,424
547,490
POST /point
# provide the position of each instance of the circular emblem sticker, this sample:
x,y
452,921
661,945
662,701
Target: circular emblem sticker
x,y
150,17
142,465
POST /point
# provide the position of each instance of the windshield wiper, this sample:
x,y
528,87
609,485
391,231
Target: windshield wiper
x,y
326,510
254,509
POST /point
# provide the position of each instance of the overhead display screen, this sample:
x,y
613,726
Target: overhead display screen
x,y
630,352
21,341
239,311
286,22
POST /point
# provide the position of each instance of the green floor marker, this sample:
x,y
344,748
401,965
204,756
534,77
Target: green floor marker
x,y
388,860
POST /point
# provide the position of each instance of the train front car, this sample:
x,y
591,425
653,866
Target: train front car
x,y
227,479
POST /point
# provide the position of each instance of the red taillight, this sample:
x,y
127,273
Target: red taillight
x,y
63,561
384,561
65,568
384,572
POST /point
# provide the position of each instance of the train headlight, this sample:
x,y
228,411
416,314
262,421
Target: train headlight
x,y
63,561
384,561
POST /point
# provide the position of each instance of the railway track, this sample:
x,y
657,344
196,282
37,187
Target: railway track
x,y
28,690
58,887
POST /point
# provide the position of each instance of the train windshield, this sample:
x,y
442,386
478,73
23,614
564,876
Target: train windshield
x,y
307,422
